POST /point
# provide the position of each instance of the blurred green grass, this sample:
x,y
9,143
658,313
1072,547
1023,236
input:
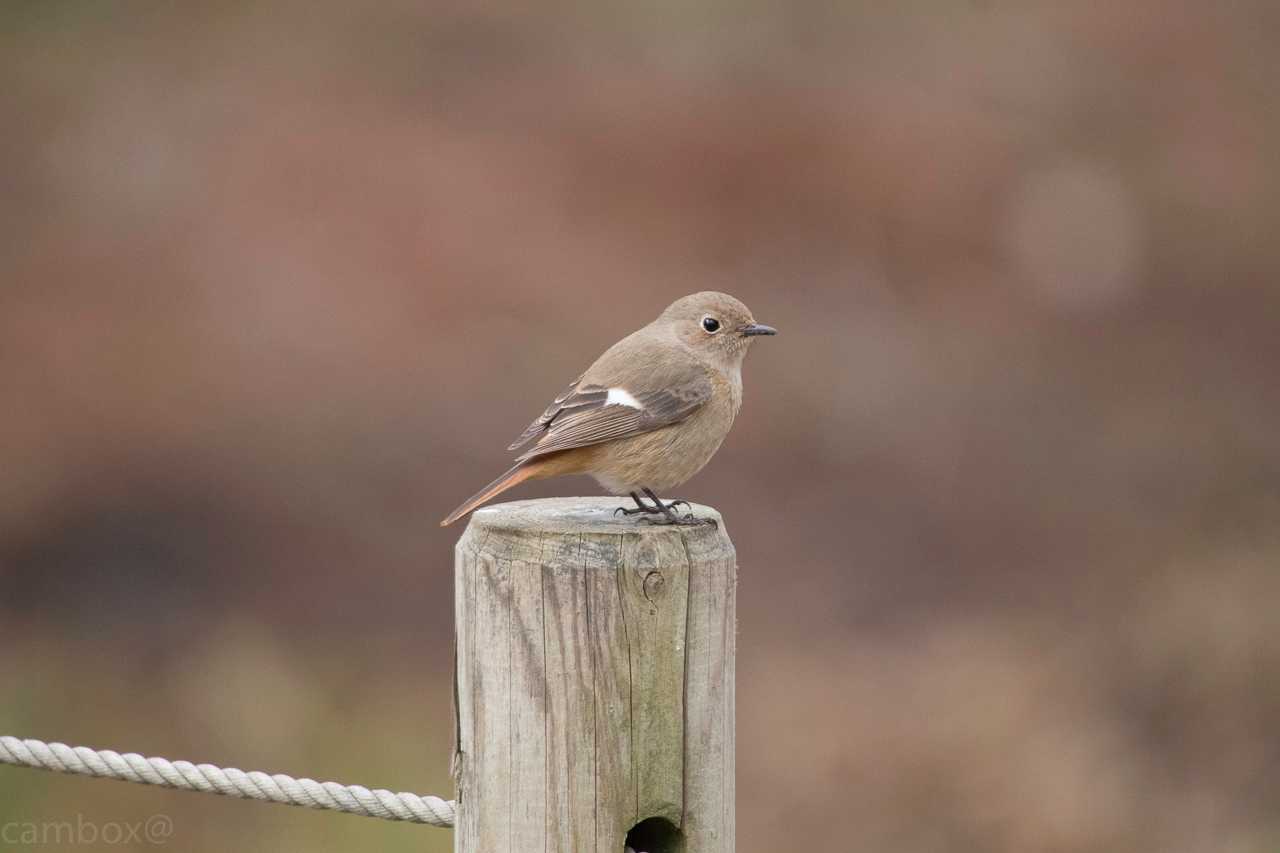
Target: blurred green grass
x,y
242,698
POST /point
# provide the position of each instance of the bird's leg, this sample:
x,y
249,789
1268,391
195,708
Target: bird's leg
x,y
668,506
668,512
641,507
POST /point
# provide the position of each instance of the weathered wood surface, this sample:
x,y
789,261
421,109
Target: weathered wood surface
x,y
595,679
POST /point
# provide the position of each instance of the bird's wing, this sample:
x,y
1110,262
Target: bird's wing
x,y
539,425
591,413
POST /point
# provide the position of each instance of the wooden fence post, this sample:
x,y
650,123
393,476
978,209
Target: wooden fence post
x,y
594,681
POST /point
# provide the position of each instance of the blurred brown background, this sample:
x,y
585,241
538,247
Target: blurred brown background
x,y
280,281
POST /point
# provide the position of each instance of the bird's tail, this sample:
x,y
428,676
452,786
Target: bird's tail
x,y
515,475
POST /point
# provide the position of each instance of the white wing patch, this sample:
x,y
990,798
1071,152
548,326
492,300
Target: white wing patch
x,y
622,397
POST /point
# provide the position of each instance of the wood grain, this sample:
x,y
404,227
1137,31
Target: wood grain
x,y
594,680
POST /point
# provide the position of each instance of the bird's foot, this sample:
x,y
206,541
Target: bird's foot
x,y
640,510
652,510
641,507
664,513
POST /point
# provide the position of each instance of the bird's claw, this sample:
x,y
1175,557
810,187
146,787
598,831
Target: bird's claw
x,y
663,513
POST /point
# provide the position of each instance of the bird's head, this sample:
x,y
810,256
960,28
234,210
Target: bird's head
x,y
715,325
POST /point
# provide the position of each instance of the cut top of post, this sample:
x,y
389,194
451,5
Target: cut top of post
x,y
513,529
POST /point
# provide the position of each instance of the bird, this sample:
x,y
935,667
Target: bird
x,y
648,414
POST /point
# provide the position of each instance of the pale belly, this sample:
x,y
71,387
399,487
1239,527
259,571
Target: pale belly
x,y
668,457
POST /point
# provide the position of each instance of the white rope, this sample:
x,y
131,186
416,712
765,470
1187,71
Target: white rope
x,y
230,782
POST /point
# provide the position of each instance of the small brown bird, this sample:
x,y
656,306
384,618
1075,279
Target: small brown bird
x,y
649,414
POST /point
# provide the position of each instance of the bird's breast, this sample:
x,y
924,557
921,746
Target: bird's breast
x,y
668,457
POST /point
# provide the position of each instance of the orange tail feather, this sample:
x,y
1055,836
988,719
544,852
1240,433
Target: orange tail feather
x,y
514,476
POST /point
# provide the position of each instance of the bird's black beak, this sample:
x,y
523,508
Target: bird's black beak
x,y
757,329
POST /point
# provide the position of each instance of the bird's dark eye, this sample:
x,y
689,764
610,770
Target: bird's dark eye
x,y
711,325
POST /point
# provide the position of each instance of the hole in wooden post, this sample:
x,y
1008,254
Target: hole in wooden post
x,y
655,835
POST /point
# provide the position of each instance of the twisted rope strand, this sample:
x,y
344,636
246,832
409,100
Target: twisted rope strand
x,y
230,782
